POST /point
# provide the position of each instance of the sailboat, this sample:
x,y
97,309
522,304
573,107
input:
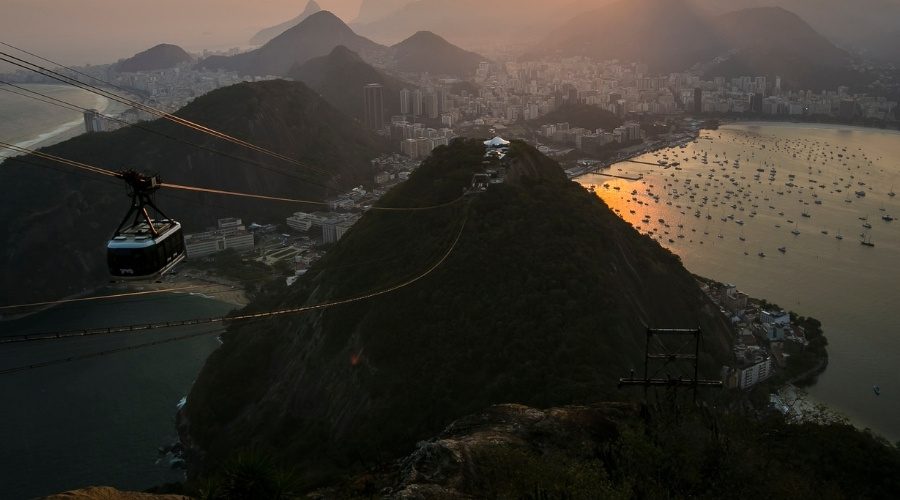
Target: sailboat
x,y
867,241
839,235
892,193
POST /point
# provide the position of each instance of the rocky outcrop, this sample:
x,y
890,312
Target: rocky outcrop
x,y
447,466
107,493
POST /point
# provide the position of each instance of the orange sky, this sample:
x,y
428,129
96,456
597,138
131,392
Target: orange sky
x,y
101,31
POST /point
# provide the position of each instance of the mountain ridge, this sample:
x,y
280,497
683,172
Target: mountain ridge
x,y
315,36
158,57
672,35
282,116
363,381
339,78
264,35
426,51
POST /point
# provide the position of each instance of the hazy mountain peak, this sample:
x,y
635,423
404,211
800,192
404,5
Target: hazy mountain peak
x,y
426,51
161,56
269,33
315,36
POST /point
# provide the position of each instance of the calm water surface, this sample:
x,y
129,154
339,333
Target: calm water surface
x,y
853,289
97,421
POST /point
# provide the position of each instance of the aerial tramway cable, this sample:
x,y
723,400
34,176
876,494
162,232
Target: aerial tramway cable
x,y
27,65
41,97
182,187
20,339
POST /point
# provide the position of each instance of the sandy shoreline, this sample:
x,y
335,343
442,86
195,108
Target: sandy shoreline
x,y
208,287
66,130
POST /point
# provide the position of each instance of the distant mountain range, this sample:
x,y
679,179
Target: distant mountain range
x,y
162,56
322,32
269,33
471,22
315,36
428,52
870,27
83,210
339,78
671,35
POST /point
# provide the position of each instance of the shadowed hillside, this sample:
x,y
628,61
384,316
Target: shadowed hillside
x,y
82,210
544,300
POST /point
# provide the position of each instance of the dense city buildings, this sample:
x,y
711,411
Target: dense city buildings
x,y
229,233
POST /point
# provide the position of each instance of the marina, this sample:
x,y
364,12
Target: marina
x,y
775,208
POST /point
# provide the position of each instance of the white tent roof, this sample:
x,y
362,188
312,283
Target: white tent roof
x,y
496,142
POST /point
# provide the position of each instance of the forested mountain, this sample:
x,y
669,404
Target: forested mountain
x,y
340,76
58,220
162,56
544,298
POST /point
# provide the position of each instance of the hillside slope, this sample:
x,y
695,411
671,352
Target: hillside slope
x,y
674,35
544,300
316,36
428,52
80,211
339,78
162,56
610,450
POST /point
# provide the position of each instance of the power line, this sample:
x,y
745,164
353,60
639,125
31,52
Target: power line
x,y
70,359
24,64
64,106
99,297
241,317
58,159
38,96
102,171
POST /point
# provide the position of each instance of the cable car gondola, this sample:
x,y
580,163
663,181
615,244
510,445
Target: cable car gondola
x,y
147,248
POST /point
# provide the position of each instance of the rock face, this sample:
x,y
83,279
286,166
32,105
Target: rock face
x,y
107,493
82,209
543,301
271,32
316,36
447,465
163,56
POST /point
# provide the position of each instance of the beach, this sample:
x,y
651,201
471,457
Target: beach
x,y
32,124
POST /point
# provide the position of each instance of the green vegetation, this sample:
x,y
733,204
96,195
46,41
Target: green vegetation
x,y
426,52
82,209
581,115
249,475
162,56
544,301
656,452
339,78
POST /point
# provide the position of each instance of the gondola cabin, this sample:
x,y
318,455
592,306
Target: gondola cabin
x,y
136,253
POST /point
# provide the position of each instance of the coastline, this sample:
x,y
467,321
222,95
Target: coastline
x,y
209,287
813,389
63,131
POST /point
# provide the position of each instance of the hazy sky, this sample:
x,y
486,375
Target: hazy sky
x,y
101,31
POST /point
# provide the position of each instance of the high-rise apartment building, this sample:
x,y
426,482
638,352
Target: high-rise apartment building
x,y
373,101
